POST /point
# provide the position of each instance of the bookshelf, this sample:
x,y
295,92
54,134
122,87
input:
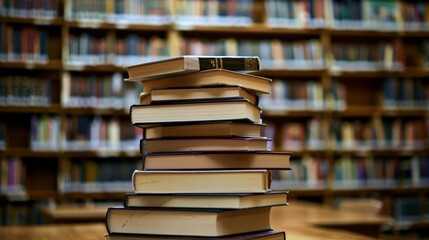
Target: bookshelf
x,y
350,91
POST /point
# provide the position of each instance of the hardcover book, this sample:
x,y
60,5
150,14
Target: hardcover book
x,y
216,160
202,181
204,144
188,64
260,235
255,83
205,129
238,110
226,92
187,222
218,201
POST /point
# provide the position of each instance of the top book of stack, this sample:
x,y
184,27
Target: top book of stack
x,y
188,64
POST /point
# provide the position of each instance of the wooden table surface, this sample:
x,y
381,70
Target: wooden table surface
x,y
301,221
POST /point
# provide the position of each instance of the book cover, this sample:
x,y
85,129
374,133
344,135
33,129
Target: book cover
x,y
205,129
206,78
261,235
188,160
199,93
216,110
188,63
205,144
187,222
202,181
209,200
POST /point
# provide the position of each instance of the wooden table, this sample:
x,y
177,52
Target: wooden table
x,y
301,221
308,221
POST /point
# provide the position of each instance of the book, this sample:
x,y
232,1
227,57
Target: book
x,y
204,144
187,222
216,160
225,92
205,129
218,201
188,64
202,181
261,235
206,78
237,110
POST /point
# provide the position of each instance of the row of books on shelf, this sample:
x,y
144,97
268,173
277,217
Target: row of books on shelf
x,y
30,9
236,12
405,93
307,172
82,133
355,14
303,95
23,43
354,173
12,176
356,135
349,15
274,53
378,133
97,91
230,13
95,175
367,56
307,13
22,213
116,11
85,48
25,90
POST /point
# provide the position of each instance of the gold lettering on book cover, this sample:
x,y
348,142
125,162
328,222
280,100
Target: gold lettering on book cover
x,y
251,64
213,63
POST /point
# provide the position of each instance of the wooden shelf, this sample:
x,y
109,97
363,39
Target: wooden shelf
x,y
254,29
50,65
58,21
118,26
53,108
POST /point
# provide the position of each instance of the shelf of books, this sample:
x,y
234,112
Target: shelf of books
x,y
349,92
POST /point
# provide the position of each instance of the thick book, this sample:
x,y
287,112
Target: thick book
x,y
216,160
202,181
206,129
255,83
205,144
225,92
187,222
260,235
218,201
188,64
238,110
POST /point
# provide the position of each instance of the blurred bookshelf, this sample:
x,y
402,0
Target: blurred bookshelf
x,y
350,94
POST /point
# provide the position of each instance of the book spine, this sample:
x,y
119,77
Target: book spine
x,y
233,64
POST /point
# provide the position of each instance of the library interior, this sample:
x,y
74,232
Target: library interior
x,y
335,139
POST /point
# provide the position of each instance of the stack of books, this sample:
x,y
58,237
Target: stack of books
x,y
206,169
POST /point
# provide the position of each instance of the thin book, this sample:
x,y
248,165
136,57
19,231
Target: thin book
x,y
187,222
205,144
210,200
225,92
193,160
205,129
258,84
170,113
202,181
